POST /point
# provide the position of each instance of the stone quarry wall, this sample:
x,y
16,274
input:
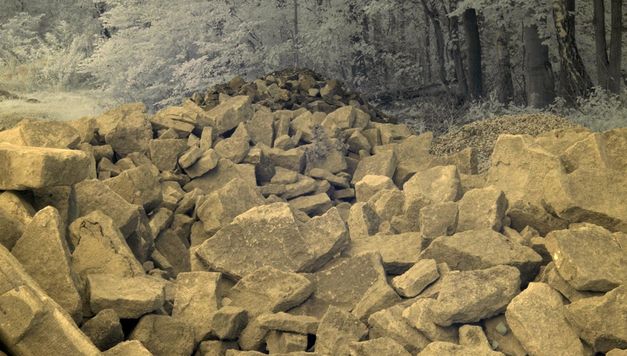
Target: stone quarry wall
x,y
286,216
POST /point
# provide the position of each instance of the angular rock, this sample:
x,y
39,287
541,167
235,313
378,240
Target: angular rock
x,y
230,113
234,148
220,175
280,342
44,253
173,245
139,186
438,219
478,249
11,230
129,297
31,319
482,209
15,205
344,283
389,323
363,221
380,346
300,324
382,164
370,185
391,133
132,133
378,297
270,235
340,119
261,129
191,156
104,329
470,296
536,317
398,252
303,186
128,348
92,195
176,118
42,133
228,322
416,279
524,214
26,168
207,161
215,348
388,203
312,204
421,315
270,290
164,335
223,205
600,321
196,301
588,258
337,330
439,184
165,153
501,338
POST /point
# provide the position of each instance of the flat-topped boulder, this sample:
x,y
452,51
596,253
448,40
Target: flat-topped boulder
x,y
23,168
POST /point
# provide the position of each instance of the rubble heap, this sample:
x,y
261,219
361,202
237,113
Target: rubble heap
x,y
243,226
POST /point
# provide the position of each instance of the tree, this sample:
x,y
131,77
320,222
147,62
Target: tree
x,y
539,79
608,68
473,44
574,80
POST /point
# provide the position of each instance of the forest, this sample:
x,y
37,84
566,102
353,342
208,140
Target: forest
x,y
450,61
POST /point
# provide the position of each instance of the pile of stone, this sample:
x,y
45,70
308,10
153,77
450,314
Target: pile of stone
x,y
237,229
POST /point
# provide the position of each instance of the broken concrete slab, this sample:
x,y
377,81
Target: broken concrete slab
x,y
536,317
26,168
44,253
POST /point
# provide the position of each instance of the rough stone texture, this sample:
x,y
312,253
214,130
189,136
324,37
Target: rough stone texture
x,y
438,219
382,164
32,323
104,329
139,186
197,300
477,249
482,209
390,323
215,348
600,321
470,296
337,330
24,168
588,258
377,347
165,153
41,133
131,133
281,321
164,335
230,113
398,252
536,317
128,348
228,322
278,342
92,195
129,297
524,214
500,336
44,253
11,230
416,279
370,184
421,315
362,221
439,184
220,175
344,283
223,205
312,204
472,341
236,147
207,161
270,290
270,235
260,128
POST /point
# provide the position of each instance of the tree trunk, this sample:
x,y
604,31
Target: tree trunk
x,y
473,43
539,79
616,47
602,61
456,55
574,80
505,83
427,49
296,42
439,43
